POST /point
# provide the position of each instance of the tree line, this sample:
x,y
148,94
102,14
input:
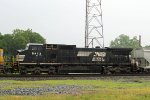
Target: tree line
x,y
18,40
124,41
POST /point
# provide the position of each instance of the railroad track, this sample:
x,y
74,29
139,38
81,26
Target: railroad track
x,y
72,75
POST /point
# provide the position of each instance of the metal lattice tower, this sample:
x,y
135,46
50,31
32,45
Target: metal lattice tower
x,y
94,25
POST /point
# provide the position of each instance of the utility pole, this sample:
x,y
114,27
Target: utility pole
x,y
140,41
93,24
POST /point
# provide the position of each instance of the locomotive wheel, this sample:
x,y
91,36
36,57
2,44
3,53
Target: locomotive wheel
x,y
37,72
23,71
2,71
52,71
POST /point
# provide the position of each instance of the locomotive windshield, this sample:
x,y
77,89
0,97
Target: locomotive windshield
x,y
33,46
27,47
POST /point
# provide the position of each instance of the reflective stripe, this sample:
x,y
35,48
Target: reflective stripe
x,y
28,63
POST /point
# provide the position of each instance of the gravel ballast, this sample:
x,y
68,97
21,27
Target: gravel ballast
x,y
60,89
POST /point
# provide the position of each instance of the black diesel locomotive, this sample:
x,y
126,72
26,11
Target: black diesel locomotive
x,y
63,59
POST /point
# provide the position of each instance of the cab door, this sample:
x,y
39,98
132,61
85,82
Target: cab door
x,y
36,53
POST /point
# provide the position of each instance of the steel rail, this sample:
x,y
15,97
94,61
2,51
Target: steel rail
x,y
73,75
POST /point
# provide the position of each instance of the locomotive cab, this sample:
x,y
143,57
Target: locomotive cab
x,y
32,53
29,59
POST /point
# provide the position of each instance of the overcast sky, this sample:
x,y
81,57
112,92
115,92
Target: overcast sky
x,y
63,21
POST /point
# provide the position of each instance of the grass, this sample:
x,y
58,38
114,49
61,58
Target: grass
x,y
104,90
